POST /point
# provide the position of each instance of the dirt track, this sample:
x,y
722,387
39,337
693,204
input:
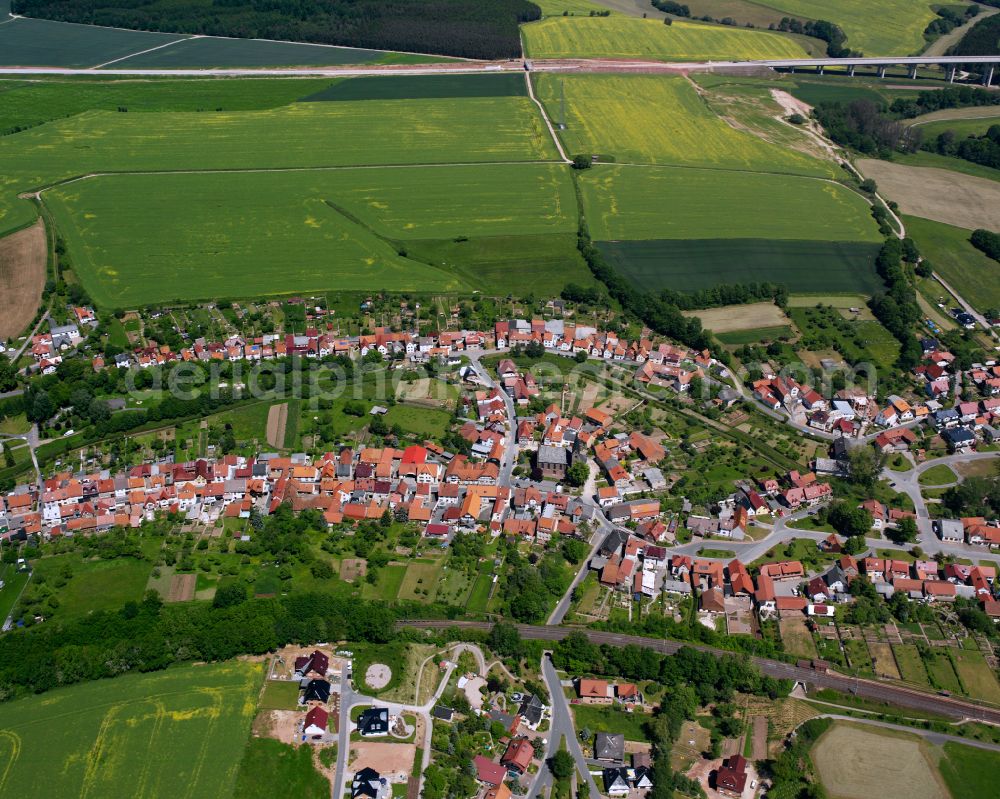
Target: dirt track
x,y
23,261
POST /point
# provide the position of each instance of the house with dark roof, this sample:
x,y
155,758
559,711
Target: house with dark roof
x,y
731,777
316,691
442,713
314,725
315,663
369,784
616,781
609,747
373,721
531,711
488,771
518,755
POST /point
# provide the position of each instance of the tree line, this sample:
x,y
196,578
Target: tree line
x,y
465,28
983,150
987,240
149,636
897,308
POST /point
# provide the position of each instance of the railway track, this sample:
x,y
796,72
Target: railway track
x,y
867,689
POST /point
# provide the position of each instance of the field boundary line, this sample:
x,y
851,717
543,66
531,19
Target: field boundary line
x,y
143,52
252,170
545,118
238,38
15,753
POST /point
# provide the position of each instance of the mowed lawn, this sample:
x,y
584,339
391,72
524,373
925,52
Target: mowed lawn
x,y
625,202
969,271
176,732
256,233
376,132
889,27
857,762
634,38
658,120
95,584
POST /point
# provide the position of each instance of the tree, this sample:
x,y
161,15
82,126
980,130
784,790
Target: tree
x,y
504,639
848,519
905,531
865,466
229,594
561,765
582,161
8,375
577,473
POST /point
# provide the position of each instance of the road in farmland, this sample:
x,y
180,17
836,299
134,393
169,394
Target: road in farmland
x,y
867,689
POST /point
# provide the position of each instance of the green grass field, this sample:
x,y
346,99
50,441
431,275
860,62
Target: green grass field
x,y
602,718
24,103
970,773
280,695
630,37
911,667
423,422
892,27
702,263
962,128
624,203
95,584
310,135
659,120
752,336
242,234
411,87
972,274
924,158
978,678
137,735
271,768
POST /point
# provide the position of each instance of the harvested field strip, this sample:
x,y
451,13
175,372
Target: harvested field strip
x,y
409,87
883,661
964,201
23,264
740,317
627,37
181,588
622,118
630,202
703,263
277,419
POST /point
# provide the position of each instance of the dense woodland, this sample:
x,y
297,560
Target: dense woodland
x,y
466,28
982,39
983,150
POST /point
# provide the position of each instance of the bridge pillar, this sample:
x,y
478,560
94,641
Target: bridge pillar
x,y
881,72
850,70
988,75
819,70
913,71
952,69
